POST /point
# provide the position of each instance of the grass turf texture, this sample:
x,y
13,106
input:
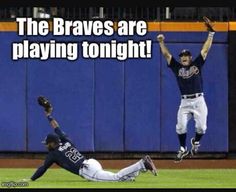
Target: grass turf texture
x,y
167,178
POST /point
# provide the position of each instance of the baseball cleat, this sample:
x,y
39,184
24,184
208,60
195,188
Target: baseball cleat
x,y
127,178
149,165
181,154
195,146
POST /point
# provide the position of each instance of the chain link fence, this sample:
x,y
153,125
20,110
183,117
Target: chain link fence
x,y
118,13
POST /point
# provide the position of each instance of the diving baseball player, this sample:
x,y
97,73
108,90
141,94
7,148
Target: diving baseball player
x,y
188,73
64,153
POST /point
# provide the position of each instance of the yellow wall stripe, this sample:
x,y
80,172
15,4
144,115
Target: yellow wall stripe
x,y
185,26
8,26
158,26
232,26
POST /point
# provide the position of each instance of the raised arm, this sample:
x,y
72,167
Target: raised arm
x,y
45,103
163,47
55,125
207,45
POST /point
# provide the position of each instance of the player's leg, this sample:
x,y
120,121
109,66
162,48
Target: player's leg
x,y
183,116
89,168
200,117
133,170
126,174
93,171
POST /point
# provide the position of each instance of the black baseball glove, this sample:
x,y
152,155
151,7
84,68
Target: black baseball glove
x,y
208,24
44,102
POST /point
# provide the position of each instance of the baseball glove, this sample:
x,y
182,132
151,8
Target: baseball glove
x,y
44,102
208,24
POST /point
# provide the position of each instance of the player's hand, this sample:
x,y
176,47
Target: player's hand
x,y
160,38
45,103
47,113
208,23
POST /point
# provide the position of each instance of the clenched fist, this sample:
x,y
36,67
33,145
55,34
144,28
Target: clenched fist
x,y
160,38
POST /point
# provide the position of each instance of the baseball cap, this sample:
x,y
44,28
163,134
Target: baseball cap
x,y
185,52
51,138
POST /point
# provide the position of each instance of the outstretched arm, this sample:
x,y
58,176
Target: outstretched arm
x,y
55,125
207,45
45,103
41,170
163,47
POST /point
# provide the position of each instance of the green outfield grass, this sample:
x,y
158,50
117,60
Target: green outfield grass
x,y
167,178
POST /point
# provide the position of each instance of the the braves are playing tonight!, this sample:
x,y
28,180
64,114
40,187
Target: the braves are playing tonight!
x,y
188,73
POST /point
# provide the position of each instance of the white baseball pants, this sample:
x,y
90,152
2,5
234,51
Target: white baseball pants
x,y
192,107
93,171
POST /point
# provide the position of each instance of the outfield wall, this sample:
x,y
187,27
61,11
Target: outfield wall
x,y
109,105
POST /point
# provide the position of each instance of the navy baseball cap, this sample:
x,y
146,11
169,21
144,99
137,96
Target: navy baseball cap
x,y
51,138
185,52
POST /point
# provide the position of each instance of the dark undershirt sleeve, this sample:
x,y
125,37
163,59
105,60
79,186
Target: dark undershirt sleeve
x,y
174,65
62,135
199,61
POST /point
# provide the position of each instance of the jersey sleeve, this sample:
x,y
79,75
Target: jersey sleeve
x,y
199,61
62,135
174,65
41,170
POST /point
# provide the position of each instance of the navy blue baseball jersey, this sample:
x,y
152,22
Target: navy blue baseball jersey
x,y
65,155
189,78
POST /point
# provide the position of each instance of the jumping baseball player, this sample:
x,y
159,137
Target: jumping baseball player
x,y
189,77
64,153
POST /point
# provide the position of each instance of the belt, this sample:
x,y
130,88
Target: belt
x,y
192,96
82,165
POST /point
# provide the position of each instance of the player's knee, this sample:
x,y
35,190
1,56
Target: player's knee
x,y
180,129
201,130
